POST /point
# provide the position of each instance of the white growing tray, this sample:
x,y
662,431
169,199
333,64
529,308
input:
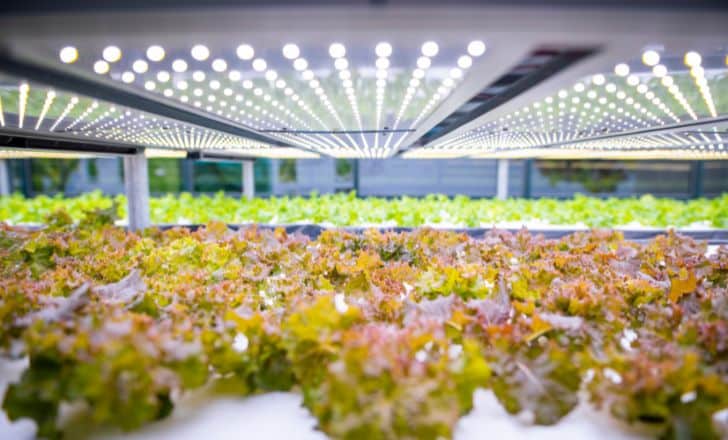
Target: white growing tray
x,y
274,416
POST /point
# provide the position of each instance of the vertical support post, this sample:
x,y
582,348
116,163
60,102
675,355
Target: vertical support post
x,y
248,179
136,185
188,175
502,180
4,178
527,170
697,179
356,177
27,178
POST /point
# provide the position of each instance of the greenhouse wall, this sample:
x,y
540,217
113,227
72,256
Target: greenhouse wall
x,y
471,177
678,179
385,178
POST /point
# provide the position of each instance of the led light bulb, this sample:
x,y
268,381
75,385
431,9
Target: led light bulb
x,y
650,57
111,54
140,66
693,59
621,69
200,52
464,62
423,62
155,53
179,66
127,77
430,49
163,76
68,54
598,79
659,70
476,48
337,50
245,52
259,64
219,65
101,67
291,51
300,64
383,49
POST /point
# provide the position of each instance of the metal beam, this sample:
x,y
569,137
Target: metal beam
x,y
497,61
136,185
22,139
48,74
565,78
213,156
704,123
532,79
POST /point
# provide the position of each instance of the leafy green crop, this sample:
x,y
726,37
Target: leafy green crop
x,y
348,210
386,335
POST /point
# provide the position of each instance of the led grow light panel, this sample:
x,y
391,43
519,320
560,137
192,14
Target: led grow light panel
x,y
344,100
39,110
655,90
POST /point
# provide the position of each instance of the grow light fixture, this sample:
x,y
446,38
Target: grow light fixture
x,y
44,113
656,91
340,99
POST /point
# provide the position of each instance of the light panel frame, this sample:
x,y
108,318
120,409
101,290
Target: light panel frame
x,y
619,33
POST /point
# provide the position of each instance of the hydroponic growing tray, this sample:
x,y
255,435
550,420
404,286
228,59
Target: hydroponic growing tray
x,y
383,334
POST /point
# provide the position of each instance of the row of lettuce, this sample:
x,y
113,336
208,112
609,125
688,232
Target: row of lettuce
x,y
348,210
385,335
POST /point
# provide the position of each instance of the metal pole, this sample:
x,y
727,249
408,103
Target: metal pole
x,y
697,177
188,175
502,179
27,179
528,168
136,184
248,179
356,177
4,178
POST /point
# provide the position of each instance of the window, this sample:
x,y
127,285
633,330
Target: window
x,y
164,176
287,171
344,170
212,177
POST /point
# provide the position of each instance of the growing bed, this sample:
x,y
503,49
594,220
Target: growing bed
x,y
415,323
